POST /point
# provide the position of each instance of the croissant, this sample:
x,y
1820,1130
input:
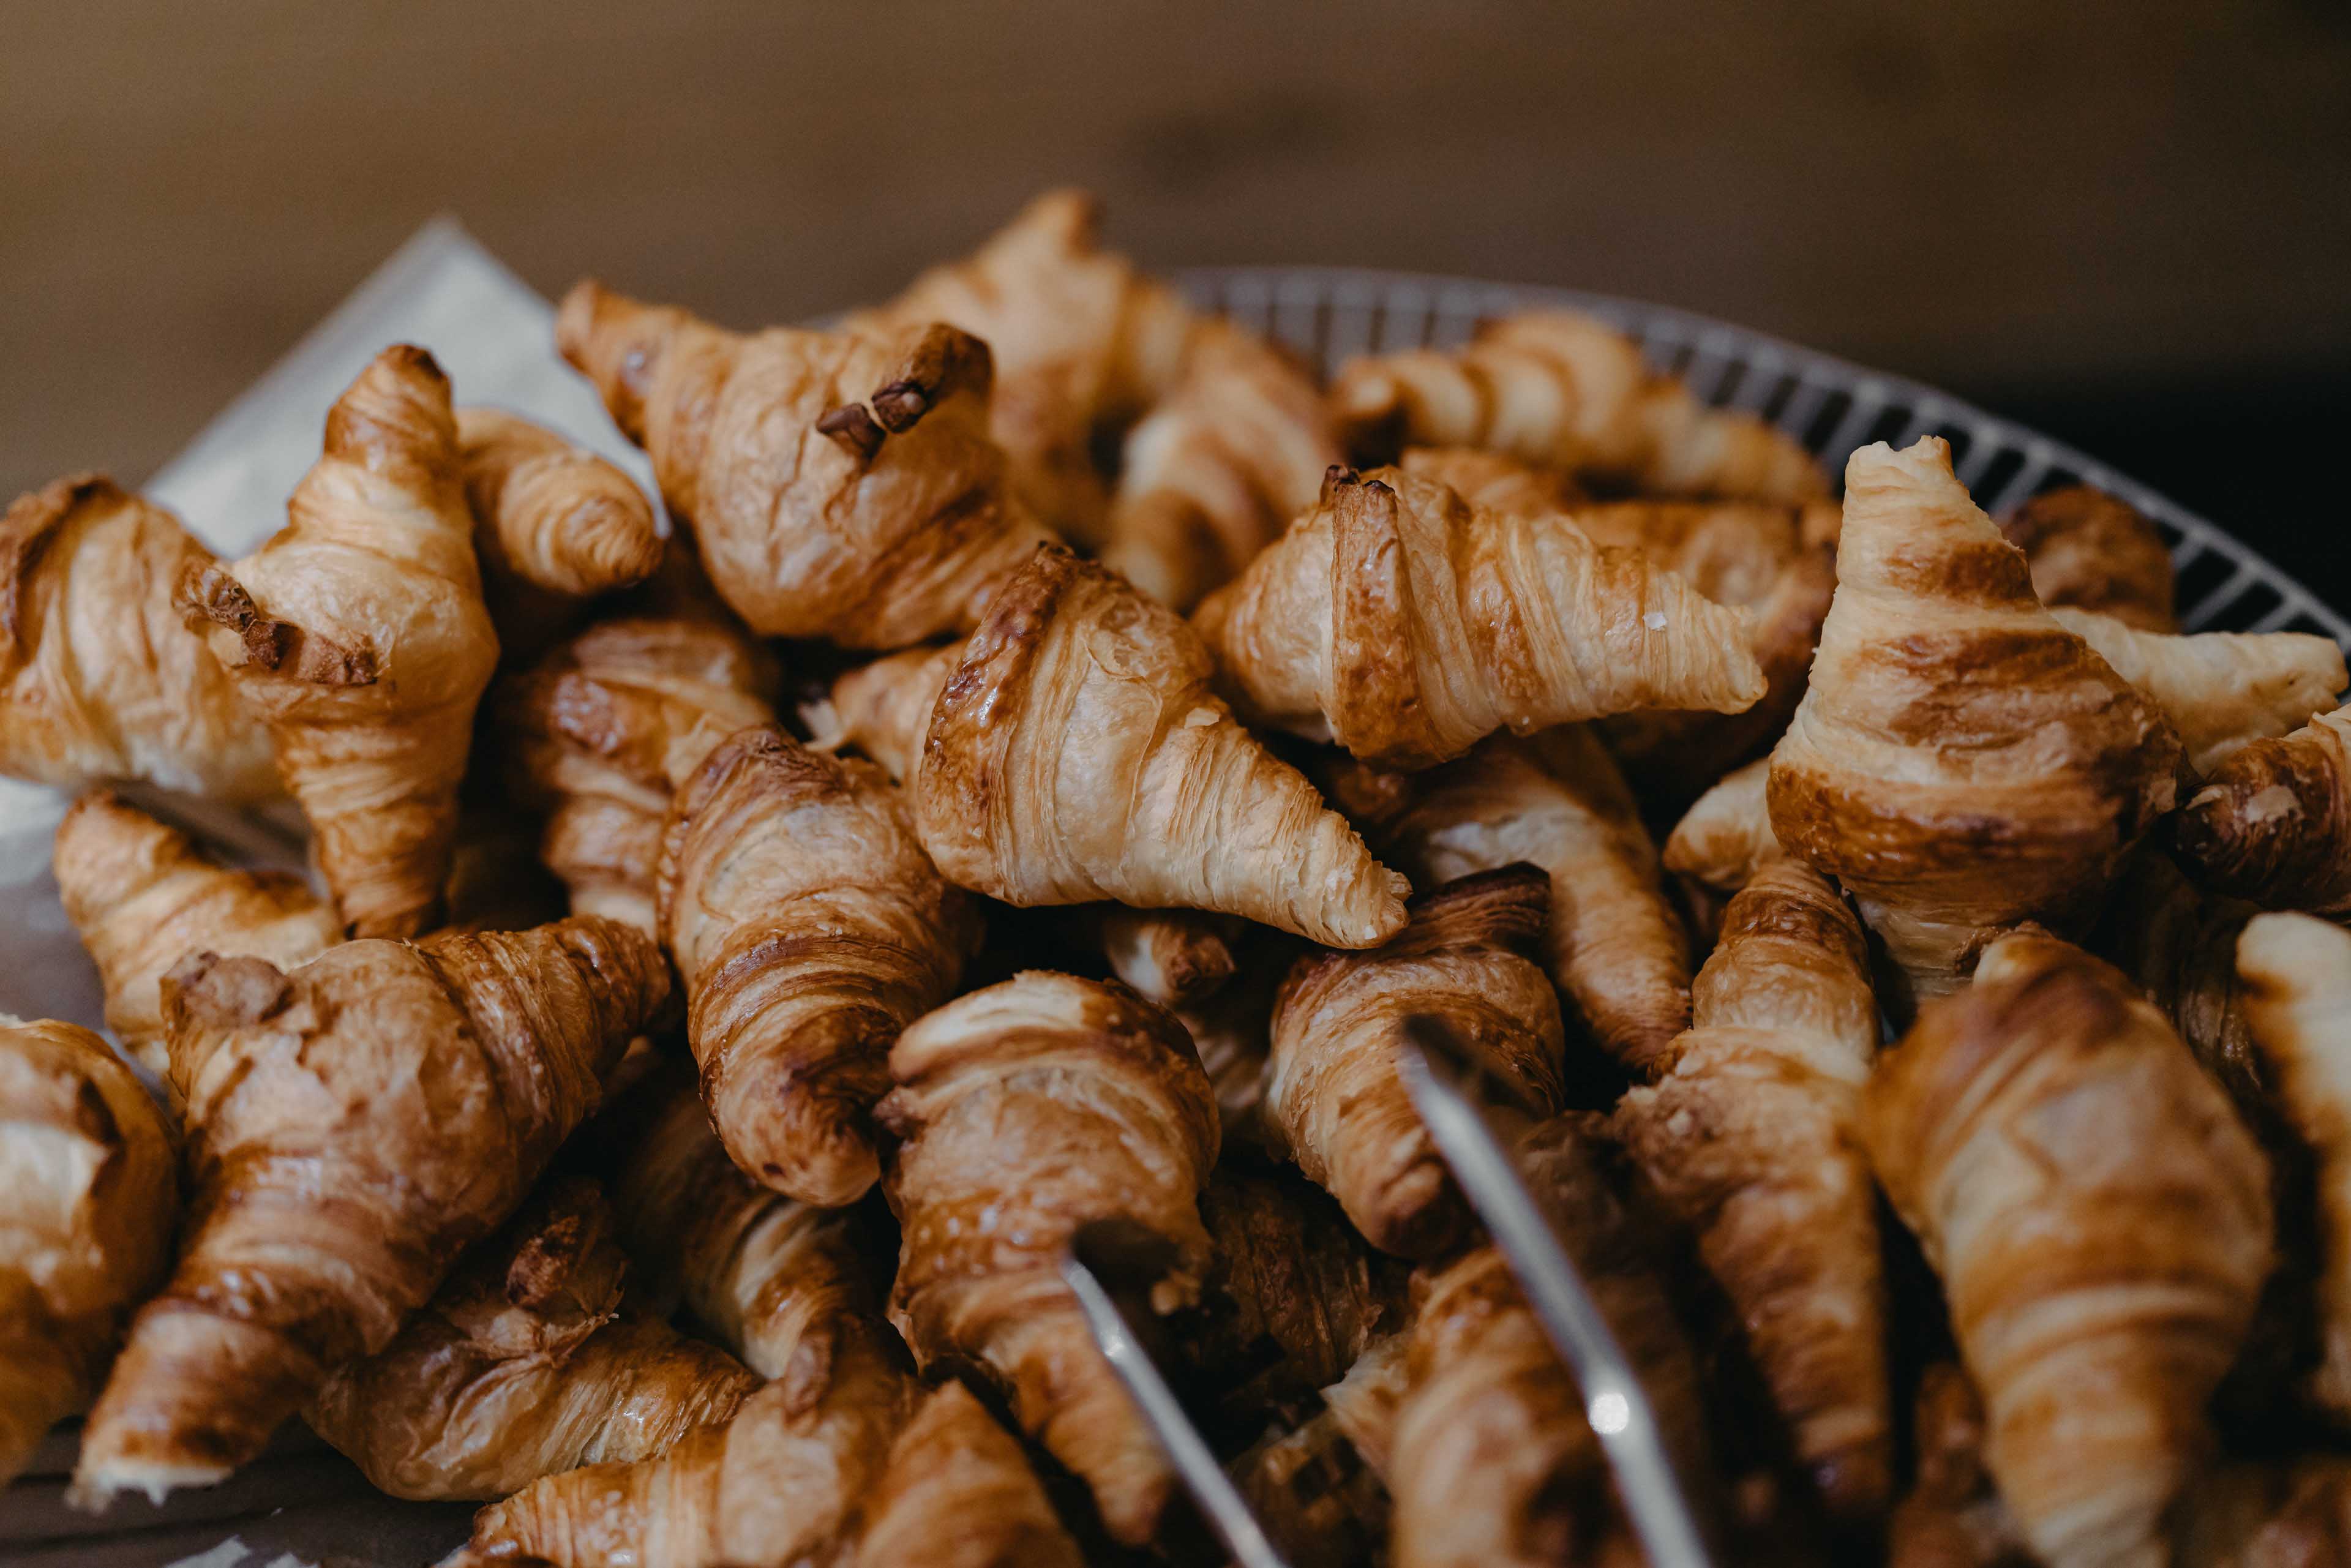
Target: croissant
x,y
1726,838
98,678
354,1125
1076,753
1396,621
358,635
2297,978
1363,1404
1614,947
868,1477
87,1163
1490,482
1232,1029
2179,948
809,928
838,486
776,1281
1563,389
1752,1139
525,1364
1084,342
883,708
1176,957
2219,689
142,898
1492,1461
553,523
2127,1264
1961,761
1312,1492
1024,1111
2273,823
1216,471
1332,1091
604,729
1741,554
2090,552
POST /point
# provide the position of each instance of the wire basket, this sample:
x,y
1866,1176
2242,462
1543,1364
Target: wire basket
x,y
1330,313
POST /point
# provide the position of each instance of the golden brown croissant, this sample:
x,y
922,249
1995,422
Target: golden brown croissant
x,y
838,486
1334,1094
2297,979
1397,621
1491,482
1961,761
603,730
1083,342
2099,1285
88,1165
1753,1140
1027,1110
358,635
1492,1461
1736,553
1076,753
1216,470
2219,689
883,708
2273,823
2093,551
98,677
142,898
1612,944
877,1473
1176,957
773,1280
809,928
553,523
1725,838
1564,390
354,1125
525,1363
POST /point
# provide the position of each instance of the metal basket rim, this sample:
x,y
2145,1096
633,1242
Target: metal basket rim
x,y
1467,299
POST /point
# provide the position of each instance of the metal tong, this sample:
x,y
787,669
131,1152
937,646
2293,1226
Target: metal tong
x,y
1442,1080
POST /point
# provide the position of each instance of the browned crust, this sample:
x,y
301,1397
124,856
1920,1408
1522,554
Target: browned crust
x,y
2294,855
963,772
34,519
2096,551
942,364
1114,1019
208,592
1376,705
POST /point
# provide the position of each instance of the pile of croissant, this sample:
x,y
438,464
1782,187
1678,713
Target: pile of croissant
x,y
1057,749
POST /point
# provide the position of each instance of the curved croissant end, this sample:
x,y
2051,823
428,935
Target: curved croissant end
x,y
883,708
355,1124
602,732
1753,1140
809,928
2220,689
1394,620
994,1089
2298,976
89,1167
838,486
2129,1262
1961,761
2179,947
1332,1091
1077,754
553,524
99,678
1563,389
1216,471
358,634
1726,838
2091,551
2272,824
1083,342
1491,482
525,1363
142,898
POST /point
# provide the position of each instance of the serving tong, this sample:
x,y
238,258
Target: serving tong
x,y
1106,1267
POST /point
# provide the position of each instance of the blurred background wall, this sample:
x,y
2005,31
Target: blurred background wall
x,y
2129,222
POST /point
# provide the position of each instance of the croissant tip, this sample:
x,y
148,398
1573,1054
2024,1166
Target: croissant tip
x,y
575,319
